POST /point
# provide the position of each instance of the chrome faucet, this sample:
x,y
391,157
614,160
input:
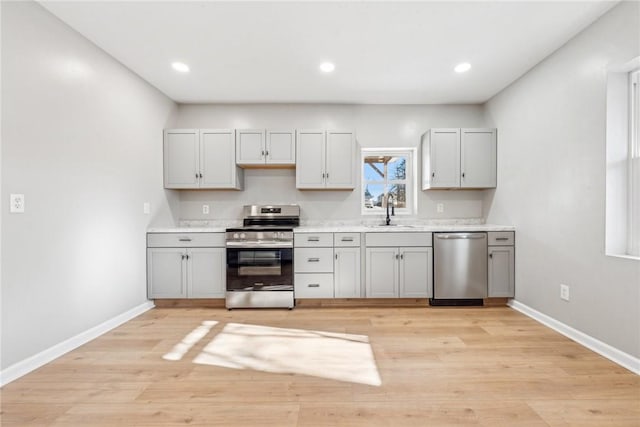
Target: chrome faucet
x,y
393,211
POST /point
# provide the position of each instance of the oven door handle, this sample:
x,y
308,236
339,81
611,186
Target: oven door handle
x,y
268,245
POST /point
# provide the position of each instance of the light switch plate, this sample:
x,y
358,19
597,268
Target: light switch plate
x,y
17,203
440,207
146,208
205,209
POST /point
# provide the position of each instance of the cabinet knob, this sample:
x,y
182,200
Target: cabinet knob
x,y
433,174
266,153
463,174
200,175
490,255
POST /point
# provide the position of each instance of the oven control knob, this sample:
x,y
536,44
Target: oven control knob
x,y
243,236
235,236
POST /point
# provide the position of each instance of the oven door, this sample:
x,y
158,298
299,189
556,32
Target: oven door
x,y
259,269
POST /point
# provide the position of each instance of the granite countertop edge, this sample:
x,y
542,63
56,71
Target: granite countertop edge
x,y
351,228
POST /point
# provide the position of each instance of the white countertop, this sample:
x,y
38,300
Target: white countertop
x,y
342,227
402,228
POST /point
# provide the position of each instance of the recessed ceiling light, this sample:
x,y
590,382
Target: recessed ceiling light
x,y
462,67
327,67
180,66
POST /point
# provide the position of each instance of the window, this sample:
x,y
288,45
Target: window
x,y
623,161
633,171
388,175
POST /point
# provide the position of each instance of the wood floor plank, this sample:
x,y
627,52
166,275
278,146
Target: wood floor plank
x,y
438,366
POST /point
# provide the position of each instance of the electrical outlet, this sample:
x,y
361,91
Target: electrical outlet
x,y
146,208
205,209
17,203
564,292
440,207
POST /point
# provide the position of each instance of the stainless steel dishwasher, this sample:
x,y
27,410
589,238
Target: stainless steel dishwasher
x,y
460,268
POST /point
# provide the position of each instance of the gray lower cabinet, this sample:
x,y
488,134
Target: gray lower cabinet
x,y
347,272
501,253
398,264
313,265
405,272
189,271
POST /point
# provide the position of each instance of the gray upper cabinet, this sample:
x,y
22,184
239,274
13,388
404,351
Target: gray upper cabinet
x,y
478,158
257,147
181,158
325,160
459,158
201,159
441,158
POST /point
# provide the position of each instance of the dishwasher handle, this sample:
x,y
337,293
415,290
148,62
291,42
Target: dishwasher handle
x,y
461,236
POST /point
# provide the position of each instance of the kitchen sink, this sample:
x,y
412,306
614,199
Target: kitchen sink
x,y
393,226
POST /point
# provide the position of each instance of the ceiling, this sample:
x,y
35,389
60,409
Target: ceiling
x,y
385,52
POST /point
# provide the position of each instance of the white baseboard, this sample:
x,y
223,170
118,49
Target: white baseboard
x,y
32,363
620,357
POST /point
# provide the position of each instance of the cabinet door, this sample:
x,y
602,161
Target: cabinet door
x,y
281,147
341,160
206,273
250,147
181,164
310,159
501,271
218,159
382,272
347,272
416,272
166,273
478,158
442,162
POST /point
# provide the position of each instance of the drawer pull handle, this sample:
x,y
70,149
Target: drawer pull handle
x,y
184,239
313,259
314,285
502,238
313,239
347,239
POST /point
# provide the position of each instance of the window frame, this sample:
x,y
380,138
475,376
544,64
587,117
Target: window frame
x,y
622,200
411,179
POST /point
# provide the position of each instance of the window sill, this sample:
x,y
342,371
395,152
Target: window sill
x,y
625,256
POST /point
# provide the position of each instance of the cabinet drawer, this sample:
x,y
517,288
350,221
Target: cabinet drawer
x,y
313,260
417,238
501,238
346,239
310,285
313,240
185,240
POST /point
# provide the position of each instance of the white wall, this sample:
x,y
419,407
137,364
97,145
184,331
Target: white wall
x,y
551,183
82,139
375,126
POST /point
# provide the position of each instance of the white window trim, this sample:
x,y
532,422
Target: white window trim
x,y
411,180
621,239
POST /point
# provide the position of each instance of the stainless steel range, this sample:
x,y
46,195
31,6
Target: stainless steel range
x,y
260,257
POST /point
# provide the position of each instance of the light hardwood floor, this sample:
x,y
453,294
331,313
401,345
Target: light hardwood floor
x,y
487,366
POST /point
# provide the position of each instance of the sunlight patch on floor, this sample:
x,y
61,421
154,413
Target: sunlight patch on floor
x,y
179,350
337,356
